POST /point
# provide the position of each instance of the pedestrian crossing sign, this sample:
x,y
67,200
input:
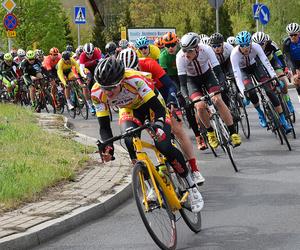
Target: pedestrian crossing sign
x,y
79,15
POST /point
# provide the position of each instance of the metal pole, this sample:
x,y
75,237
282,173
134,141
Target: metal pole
x,y
78,31
256,19
217,15
9,44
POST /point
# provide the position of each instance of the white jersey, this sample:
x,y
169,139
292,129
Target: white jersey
x,y
222,57
205,58
240,61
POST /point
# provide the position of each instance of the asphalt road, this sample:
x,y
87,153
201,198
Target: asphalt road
x,y
257,208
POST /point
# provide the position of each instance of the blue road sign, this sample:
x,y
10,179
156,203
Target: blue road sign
x,y
79,15
264,14
10,21
256,10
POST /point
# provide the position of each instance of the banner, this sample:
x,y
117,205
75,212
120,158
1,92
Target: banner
x,y
150,33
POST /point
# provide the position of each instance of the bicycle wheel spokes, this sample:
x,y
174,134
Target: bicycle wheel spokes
x,y
244,121
82,105
159,221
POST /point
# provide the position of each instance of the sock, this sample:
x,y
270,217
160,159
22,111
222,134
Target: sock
x,y
193,165
210,129
259,110
231,129
286,97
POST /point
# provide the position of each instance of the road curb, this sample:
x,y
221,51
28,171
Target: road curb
x,y
47,230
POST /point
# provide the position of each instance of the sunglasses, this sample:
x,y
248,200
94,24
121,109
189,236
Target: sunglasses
x,y
142,48
110,88
292,35
54,54
216,45
245,45
188,50
170,45
31,59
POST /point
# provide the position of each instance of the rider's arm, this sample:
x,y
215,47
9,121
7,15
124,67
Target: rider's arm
x,y
263,58
60,72
234,59
105,130
26,75
182,73
169,85
287,53
77,67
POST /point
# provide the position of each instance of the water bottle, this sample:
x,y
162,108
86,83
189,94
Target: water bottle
x,y
163,172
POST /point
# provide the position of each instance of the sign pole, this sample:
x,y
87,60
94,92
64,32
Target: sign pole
x,y
78,31
257,19
217,15
9,43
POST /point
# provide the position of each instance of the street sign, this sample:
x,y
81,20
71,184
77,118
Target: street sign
x,y
256,10
10,21
9,5
11,33
264,14
79,16
216,3
123,33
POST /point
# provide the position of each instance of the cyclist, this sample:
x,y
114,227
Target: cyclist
x,y
20,56
204,40
168,90
78,52
31,68
129,90
291,48
111,49
123,44
167,61
145,49
14,52
231,40
70,48
8,75
49,64
244,65
159,43
39,54
64,71
198,66
202,36
276,59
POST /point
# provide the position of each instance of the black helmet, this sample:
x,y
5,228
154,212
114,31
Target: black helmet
x,y
216,38
66,55
109,72
1,55
110,48
69,48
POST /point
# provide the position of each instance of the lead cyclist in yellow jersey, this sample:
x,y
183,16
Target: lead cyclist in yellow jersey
x,y
129,90
145,49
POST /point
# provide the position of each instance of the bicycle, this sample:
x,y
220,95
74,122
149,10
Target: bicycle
x,y
237,107
42,95
78,100
170,194
218,125
273,122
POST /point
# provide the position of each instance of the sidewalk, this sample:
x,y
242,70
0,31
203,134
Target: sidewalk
x,y
96,190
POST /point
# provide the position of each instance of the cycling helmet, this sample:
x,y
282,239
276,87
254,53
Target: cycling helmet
x,y
69,48
129,58
189,41
216,38
259,37
123,43
169,38
53,51
231,40
8,57
110,48
131,45
66,55
202,35
89,48
39,53
267,37
13,52
243,38
79,50
159,42
1,55
141,42
30,54
21,53
292,28
109,72
205,40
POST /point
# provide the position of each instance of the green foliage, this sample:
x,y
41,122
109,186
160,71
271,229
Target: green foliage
x,y
98,38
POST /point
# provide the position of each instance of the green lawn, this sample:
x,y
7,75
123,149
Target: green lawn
x,y
31,159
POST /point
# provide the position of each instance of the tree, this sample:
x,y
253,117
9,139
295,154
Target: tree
x,y
68,33
187,25
98,38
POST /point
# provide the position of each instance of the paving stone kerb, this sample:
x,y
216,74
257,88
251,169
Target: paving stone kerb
x,y
96,190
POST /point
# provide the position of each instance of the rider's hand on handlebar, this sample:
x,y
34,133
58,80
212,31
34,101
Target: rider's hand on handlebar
x,y
159,133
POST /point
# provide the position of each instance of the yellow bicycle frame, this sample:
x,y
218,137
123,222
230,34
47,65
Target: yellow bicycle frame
x,y
168,190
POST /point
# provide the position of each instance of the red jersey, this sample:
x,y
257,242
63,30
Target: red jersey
x,y
50,64
150,65
90,62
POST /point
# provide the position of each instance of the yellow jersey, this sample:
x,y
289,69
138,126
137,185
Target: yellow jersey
x,y
154,52
63,68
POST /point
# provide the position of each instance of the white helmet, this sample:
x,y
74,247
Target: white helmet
x,y
267,37
259,37
189,41
205,40
21,53
292,28
129,58
231,40
88,48
202,35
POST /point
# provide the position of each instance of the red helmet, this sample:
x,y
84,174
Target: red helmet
x,y
53,51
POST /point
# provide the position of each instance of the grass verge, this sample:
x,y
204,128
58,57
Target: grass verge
x,y
31,159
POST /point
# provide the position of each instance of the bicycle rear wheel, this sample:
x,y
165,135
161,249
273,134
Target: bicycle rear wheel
x,y
244,120
159,221
82,105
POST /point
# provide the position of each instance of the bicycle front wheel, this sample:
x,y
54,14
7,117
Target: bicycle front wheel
x,y
159,221
82,105
244,120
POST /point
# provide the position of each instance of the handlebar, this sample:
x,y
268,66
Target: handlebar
x,y
205,97
262,83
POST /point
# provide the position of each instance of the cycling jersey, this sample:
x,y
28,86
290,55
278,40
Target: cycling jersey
x,y
63,68
90,63
292,51
168,61
30,69
274,54
8,73
154,52
134,93
225,55
50,64
240,61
